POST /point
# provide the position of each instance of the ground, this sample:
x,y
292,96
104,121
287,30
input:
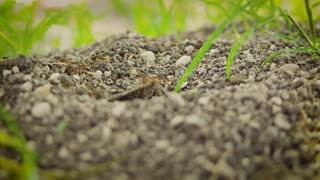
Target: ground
x,y
108,110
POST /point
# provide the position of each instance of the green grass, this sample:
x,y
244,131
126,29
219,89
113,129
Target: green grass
x,y
155,18
247,11
13,138
312,41
20,29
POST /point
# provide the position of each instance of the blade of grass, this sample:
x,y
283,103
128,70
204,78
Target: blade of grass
x,y
17,141
235,47
285,37
274,55
300,29
9,41
310,20
205,47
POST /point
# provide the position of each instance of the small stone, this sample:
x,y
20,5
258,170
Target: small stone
x,y
276,100
81,138
54,78
107,73
281,122
118,108
27,77
289,69
272,47
184,60
43,90
49,139
195,120
106,132
162,144
6,72
41,110
15,69
147,56
2,91
86,156
63,153
204,100
133,73
189,49
213,52
176,98
176,120
27,86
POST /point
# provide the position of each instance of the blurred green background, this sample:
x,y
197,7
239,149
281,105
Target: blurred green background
x,y
38,26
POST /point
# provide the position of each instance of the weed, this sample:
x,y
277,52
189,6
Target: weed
x,y
13,138
155,18
248,8
312,44
19,30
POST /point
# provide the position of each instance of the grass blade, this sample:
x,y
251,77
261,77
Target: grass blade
x,y
235,47
205,47
311,24
274,55
302,32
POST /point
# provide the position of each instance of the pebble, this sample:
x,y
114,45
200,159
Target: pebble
x,y
43,90
86,156
195,120
49,140
184,60
118,108
147,56
189,49
27,86
272,47
289,69
176,120
63,153
15,69
176,98
281,122
107,74
2,91
54,78
41,110
6,72
106,132
27,77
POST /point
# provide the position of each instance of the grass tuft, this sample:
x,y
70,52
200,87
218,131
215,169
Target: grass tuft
x,y
312,44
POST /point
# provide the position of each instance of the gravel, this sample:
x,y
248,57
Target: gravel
x,y
115,99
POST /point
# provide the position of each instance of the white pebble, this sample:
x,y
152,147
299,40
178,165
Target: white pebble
x,y
289,69
106,132
147,56
6,72
281,122
189,49
27,86
118,108
41,110
272,47
86,156
176,98
107,73
63,153
2,91
43,90
184,60
15,69
54,78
